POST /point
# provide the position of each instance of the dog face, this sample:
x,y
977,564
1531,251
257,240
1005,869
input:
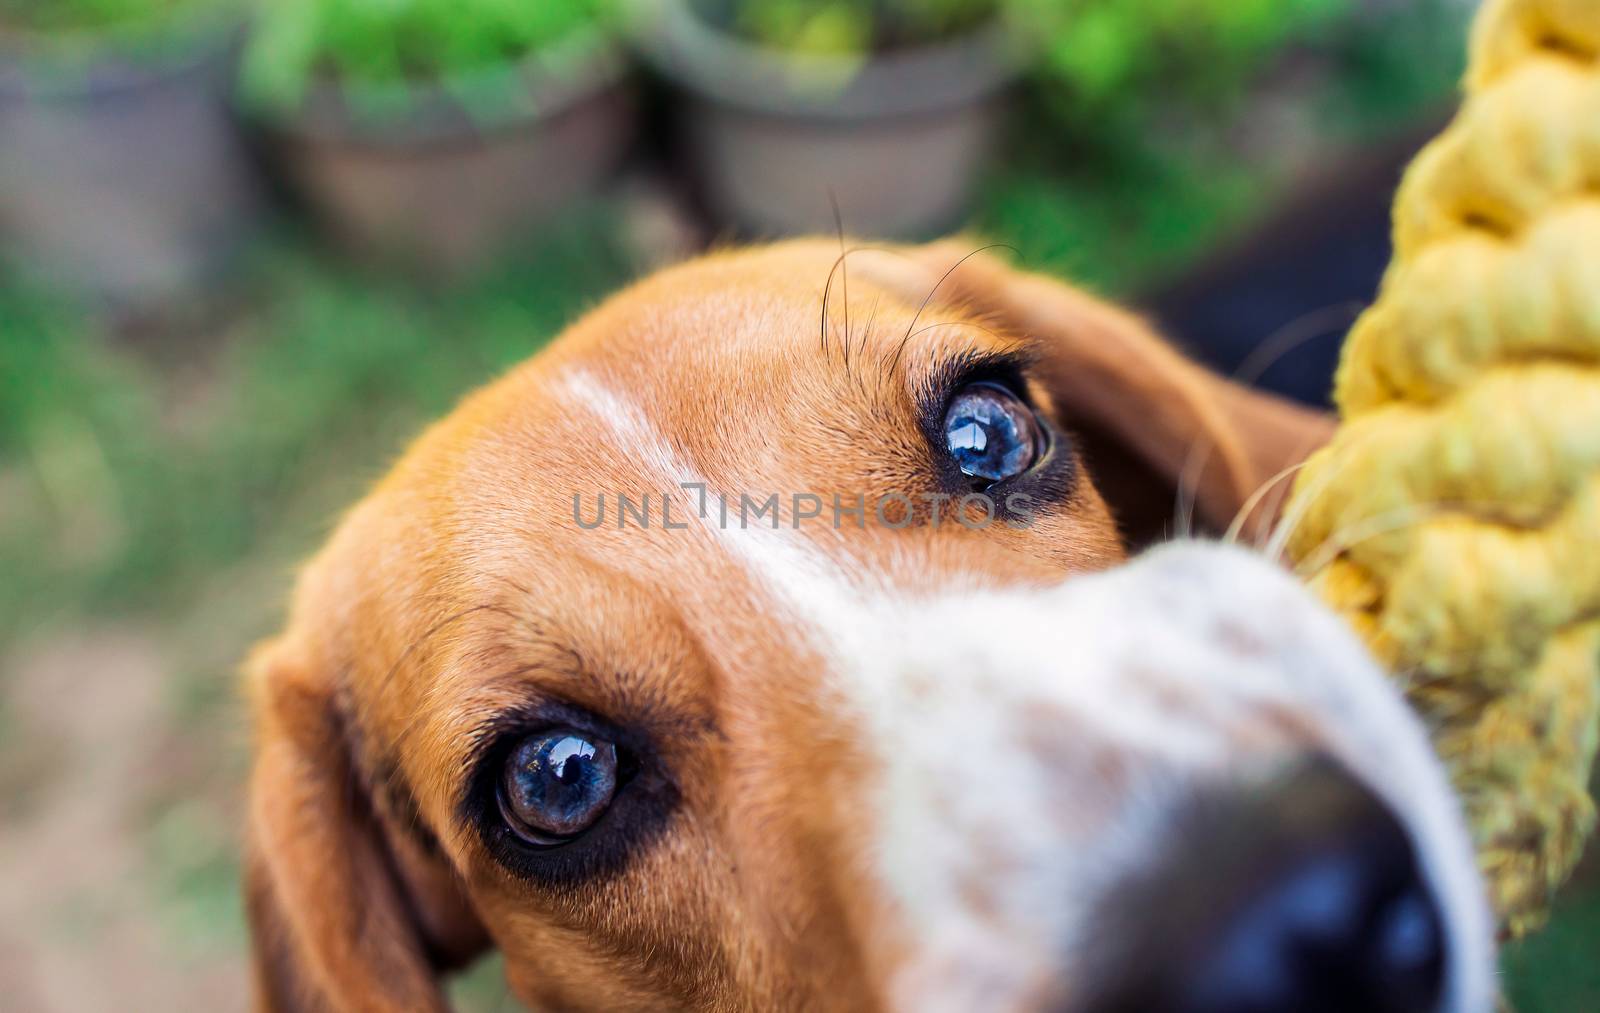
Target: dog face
x,y
762,644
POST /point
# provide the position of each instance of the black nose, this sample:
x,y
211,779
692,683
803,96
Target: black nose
x,y
1303,895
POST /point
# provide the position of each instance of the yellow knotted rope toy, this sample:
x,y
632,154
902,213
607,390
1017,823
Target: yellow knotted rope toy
x,y
1455,519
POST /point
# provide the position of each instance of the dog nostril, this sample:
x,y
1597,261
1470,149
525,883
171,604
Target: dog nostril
x,y
1304,896
1348,928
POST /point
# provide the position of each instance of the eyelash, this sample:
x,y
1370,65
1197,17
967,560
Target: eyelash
x,y
954,373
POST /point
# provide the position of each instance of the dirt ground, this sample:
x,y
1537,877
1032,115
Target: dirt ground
x,y
120,804
104,904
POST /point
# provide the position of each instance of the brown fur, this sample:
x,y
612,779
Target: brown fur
x,y
460,589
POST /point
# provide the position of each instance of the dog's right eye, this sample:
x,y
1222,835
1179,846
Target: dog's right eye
x,y
557,783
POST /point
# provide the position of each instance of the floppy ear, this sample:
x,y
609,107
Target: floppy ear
x,y
343,914
1151,420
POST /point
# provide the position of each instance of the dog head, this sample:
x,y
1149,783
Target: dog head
x,y
763,643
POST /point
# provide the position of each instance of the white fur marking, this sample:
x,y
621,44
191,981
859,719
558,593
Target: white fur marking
x,y
784,560
990,839
982,858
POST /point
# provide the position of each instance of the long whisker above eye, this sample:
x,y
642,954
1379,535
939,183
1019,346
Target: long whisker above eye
x,y
422,712
998,335
827,290
910,328
838,224
866,329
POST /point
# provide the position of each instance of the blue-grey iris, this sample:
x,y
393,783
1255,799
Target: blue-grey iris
x,y
991,433
557,783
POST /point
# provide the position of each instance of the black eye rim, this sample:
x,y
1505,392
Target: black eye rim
x,y
627,768
1052,477
1043,439
1051,485
641,808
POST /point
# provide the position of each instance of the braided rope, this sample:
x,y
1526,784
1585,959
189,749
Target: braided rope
x,y
1455,519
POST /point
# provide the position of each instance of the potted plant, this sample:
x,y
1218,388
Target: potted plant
x,y
121,172
436,130
1112,70
888,108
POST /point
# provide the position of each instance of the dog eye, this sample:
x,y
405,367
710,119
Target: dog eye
x,y
991,433
556,784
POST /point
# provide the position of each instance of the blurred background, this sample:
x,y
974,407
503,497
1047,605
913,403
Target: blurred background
x,y
246,253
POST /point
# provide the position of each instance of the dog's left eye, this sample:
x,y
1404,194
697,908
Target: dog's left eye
x,y
557,783
991,433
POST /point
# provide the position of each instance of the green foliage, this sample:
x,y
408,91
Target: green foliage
x,y
110,18
1126,163
847,27
1116,231
1101,52
126,482
1143,77
1397,63
396,43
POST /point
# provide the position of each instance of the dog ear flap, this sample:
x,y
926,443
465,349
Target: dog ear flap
x,y
333,925
1154,424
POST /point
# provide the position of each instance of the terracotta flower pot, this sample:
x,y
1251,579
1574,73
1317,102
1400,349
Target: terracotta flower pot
x,y
442,188
122,173
898,139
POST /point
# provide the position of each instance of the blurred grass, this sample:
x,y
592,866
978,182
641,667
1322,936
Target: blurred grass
x,y
133,471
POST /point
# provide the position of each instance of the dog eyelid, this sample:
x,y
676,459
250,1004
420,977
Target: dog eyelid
x,y
947,375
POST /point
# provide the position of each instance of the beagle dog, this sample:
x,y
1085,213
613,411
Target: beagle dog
x,y
770,642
